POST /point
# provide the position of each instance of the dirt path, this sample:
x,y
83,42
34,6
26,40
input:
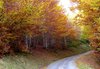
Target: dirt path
x,y
66,63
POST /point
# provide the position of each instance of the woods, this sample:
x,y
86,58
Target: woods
x,y
28,24
35,33
89,18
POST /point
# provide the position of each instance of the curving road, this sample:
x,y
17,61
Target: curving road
x,y
66,63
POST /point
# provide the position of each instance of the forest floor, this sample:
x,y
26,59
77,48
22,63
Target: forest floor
x,y
38,59
89,61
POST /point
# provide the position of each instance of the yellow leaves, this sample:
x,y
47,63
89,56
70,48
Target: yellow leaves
x,y
1,4
99,29
37,13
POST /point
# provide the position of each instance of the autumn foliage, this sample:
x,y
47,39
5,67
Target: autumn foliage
x,y
27,24
89,17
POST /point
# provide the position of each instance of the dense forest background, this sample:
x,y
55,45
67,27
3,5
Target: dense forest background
x,y
29,24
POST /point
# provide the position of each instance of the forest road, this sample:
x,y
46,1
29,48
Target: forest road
x,y
66,63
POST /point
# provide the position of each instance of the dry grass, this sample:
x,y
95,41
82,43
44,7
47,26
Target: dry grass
x,y
39,59
89,61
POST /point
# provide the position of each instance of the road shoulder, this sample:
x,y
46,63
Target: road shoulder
x,y
88,61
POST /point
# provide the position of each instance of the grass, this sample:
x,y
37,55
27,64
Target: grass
x,y
84,66
89,61
38,59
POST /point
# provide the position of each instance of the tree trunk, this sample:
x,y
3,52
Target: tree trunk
x,y
45,40
26,41
52,41
34,42
65,41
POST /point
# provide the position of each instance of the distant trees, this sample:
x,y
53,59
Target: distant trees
x,y
27,24
89,17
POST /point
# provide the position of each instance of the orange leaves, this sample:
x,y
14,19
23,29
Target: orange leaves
x,y
91,20
33,18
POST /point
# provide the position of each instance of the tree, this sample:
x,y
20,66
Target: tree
x,y
89,16
25,23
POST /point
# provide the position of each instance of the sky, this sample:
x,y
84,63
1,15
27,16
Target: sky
x,y
66,4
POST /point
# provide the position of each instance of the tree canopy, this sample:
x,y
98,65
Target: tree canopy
x,y
25,23
89,17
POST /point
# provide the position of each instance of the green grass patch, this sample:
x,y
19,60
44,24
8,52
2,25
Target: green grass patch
x,y
84,66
